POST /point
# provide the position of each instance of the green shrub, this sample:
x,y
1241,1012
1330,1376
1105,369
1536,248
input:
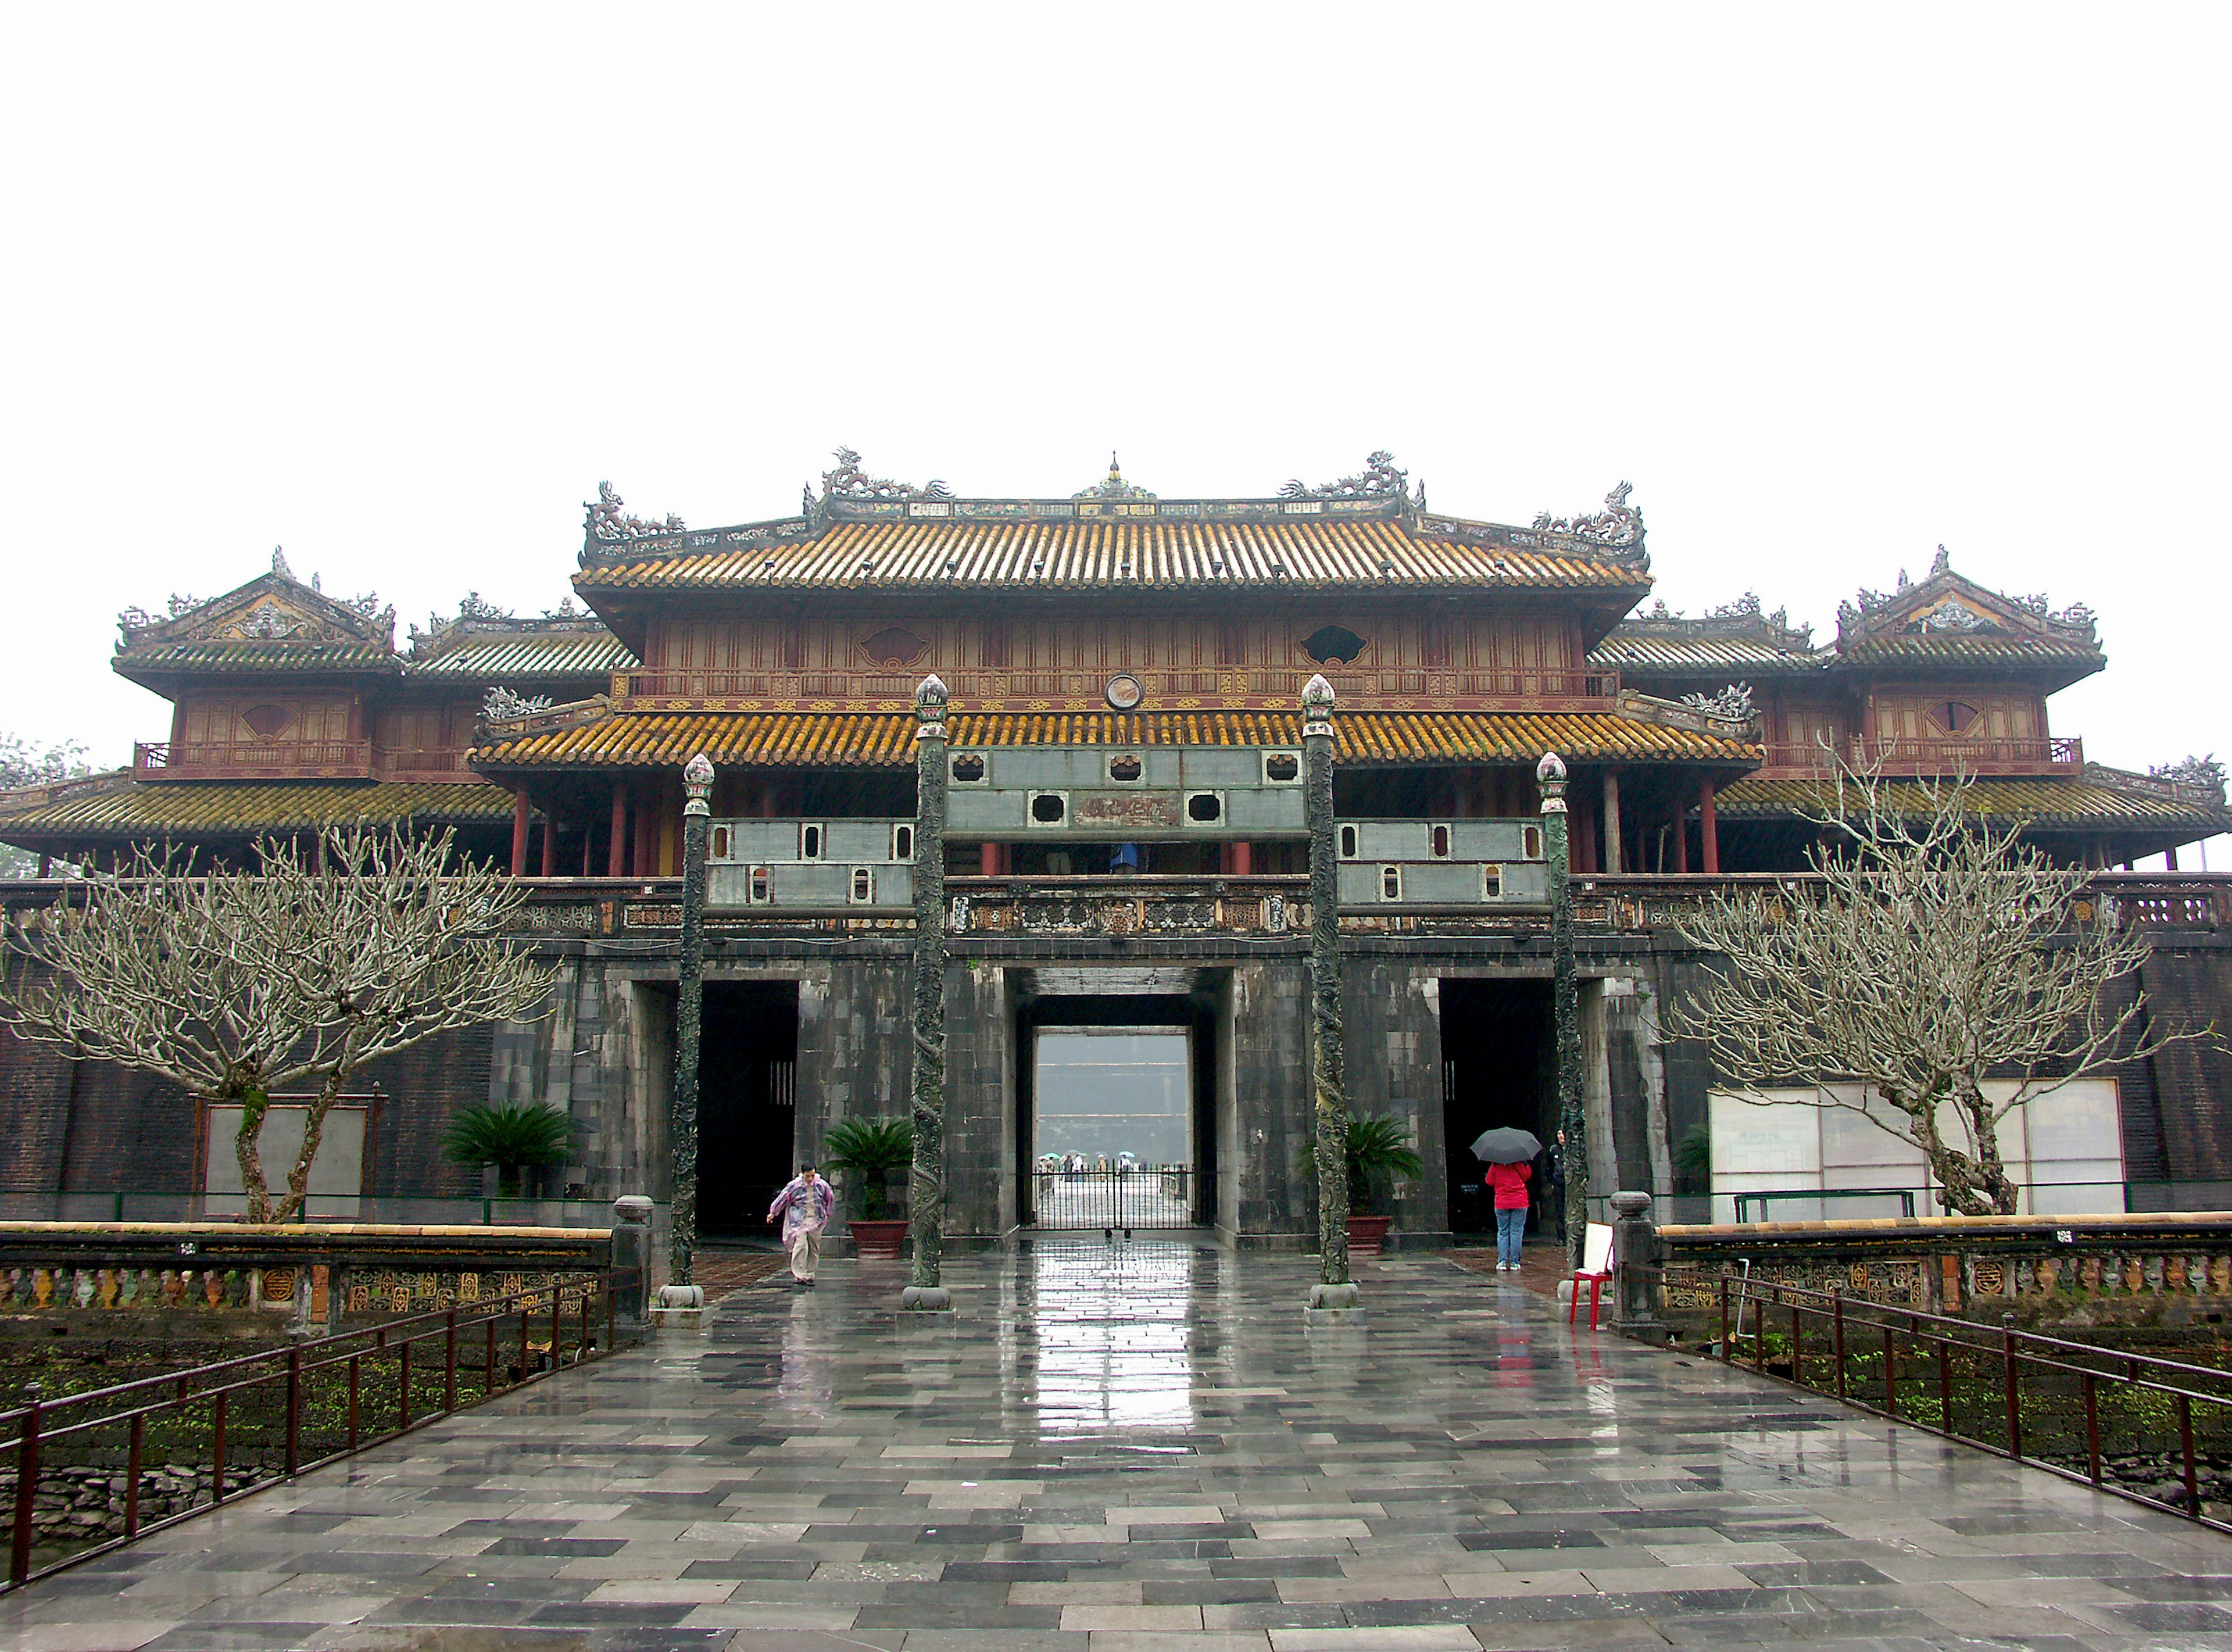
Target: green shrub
x,y
507,1137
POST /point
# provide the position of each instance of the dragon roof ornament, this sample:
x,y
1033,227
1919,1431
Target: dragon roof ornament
x,y
848,481
1732,703
1617,526
2203,773
606,523
1113,486
501,705
1952,615
1379,479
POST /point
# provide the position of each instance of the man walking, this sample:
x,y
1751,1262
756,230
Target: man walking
x,y
804,1204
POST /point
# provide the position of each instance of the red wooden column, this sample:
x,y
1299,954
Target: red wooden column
x,y
1584,836
1681,839
519,833
2169,860
1709,835
549,845
1239,858
616,856
991,859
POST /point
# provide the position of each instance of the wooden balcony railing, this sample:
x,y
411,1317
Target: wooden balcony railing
x,y
1948,756
1164,687
252,759
441,762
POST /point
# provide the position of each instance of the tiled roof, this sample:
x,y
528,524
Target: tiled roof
x,y
279,655
1958,649
886,740
2052,801
1645,650
128,809
497,655
1117,553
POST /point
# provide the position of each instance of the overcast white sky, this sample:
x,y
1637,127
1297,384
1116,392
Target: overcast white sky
x,y
1830,286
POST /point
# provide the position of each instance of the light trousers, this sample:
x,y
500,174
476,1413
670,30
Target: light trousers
x,y
805,1251
1510,1233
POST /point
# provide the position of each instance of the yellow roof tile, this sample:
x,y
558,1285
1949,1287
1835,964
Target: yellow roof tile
x,y
755,739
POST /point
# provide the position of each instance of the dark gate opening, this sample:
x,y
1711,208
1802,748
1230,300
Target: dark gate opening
x,y
746,1102
1074,1172
1499,1067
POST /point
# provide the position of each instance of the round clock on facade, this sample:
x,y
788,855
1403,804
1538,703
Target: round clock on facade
x,y
1124,691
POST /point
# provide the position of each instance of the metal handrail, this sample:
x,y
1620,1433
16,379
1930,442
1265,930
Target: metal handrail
x,y
28,1431
1905,1195
2014,1353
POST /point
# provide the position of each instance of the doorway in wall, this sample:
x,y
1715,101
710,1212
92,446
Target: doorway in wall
x,y
1114,1091
746,1102
1499,1067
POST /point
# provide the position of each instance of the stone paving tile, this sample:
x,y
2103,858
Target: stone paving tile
x,y
1140,1447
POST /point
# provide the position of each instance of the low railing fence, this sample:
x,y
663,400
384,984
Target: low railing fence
x,y
95,1470
2158,1431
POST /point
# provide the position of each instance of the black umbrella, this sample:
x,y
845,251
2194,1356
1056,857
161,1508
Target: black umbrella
x,y
1505,1146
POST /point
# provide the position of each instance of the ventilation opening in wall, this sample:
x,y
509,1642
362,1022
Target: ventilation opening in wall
x,y
864,886
1530,839
1282,768
902,843
1124,766
1441,843
1049,808
1205,808
720,842
809,843
1491,883
762,886
968,769
1390,883
1348,843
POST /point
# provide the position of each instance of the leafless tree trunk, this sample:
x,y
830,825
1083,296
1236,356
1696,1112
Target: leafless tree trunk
x,y
1936,952
235,987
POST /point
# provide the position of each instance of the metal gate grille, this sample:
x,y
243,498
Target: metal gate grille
x,y
1175,1196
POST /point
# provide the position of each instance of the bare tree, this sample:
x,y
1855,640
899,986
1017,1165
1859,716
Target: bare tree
x,y
234,986
1935,951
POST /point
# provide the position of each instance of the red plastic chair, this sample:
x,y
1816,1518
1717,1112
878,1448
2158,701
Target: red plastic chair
x,y
1594,1271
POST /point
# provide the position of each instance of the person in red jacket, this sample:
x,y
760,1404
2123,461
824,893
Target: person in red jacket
x,y
1507,1183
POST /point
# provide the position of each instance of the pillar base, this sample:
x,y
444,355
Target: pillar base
x,y
925,1298
1335,1305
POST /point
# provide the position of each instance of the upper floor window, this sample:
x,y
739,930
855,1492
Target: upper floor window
x,y
1332,645
1954,716
894,646
268,721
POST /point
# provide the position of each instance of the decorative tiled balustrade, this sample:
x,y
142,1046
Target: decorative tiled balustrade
x,y
2170,1268
146,1271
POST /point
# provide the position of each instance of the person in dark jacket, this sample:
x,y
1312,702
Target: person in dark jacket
x,y
1507,1186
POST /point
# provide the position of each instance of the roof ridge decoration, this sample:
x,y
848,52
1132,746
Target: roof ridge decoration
x,y
848,481
2203,775
1379,479
477,617
501,704
1947,601
1619,526
271,608
1745,617
1732,704
1114,487
606,523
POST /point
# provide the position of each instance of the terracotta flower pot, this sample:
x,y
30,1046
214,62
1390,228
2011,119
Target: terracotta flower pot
x,y
876,1240
1367,1235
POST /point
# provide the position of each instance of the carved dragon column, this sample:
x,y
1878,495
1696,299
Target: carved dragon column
x,y
1330,1098
1565,1002
697,785
926,1187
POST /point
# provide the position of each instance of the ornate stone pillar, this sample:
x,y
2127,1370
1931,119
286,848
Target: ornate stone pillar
x,y
926,1186
1330,1097
1565,1002
682,1248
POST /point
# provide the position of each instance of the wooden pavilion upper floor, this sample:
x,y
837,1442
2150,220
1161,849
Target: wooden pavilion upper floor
x,y
1109,620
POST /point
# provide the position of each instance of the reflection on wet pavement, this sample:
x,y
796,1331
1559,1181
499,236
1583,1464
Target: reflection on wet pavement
x,y
1119,1448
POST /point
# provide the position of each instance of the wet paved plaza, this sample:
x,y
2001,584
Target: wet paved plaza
x,y
1118,1450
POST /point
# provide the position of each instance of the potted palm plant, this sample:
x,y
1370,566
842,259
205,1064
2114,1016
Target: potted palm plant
x,y
508,1136
1379,1150
872,1149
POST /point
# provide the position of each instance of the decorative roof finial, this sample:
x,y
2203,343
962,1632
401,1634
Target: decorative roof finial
x,y
1114,488
279,562
1944,564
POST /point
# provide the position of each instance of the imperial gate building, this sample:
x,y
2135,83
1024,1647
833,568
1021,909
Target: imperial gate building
x,y
1125,855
